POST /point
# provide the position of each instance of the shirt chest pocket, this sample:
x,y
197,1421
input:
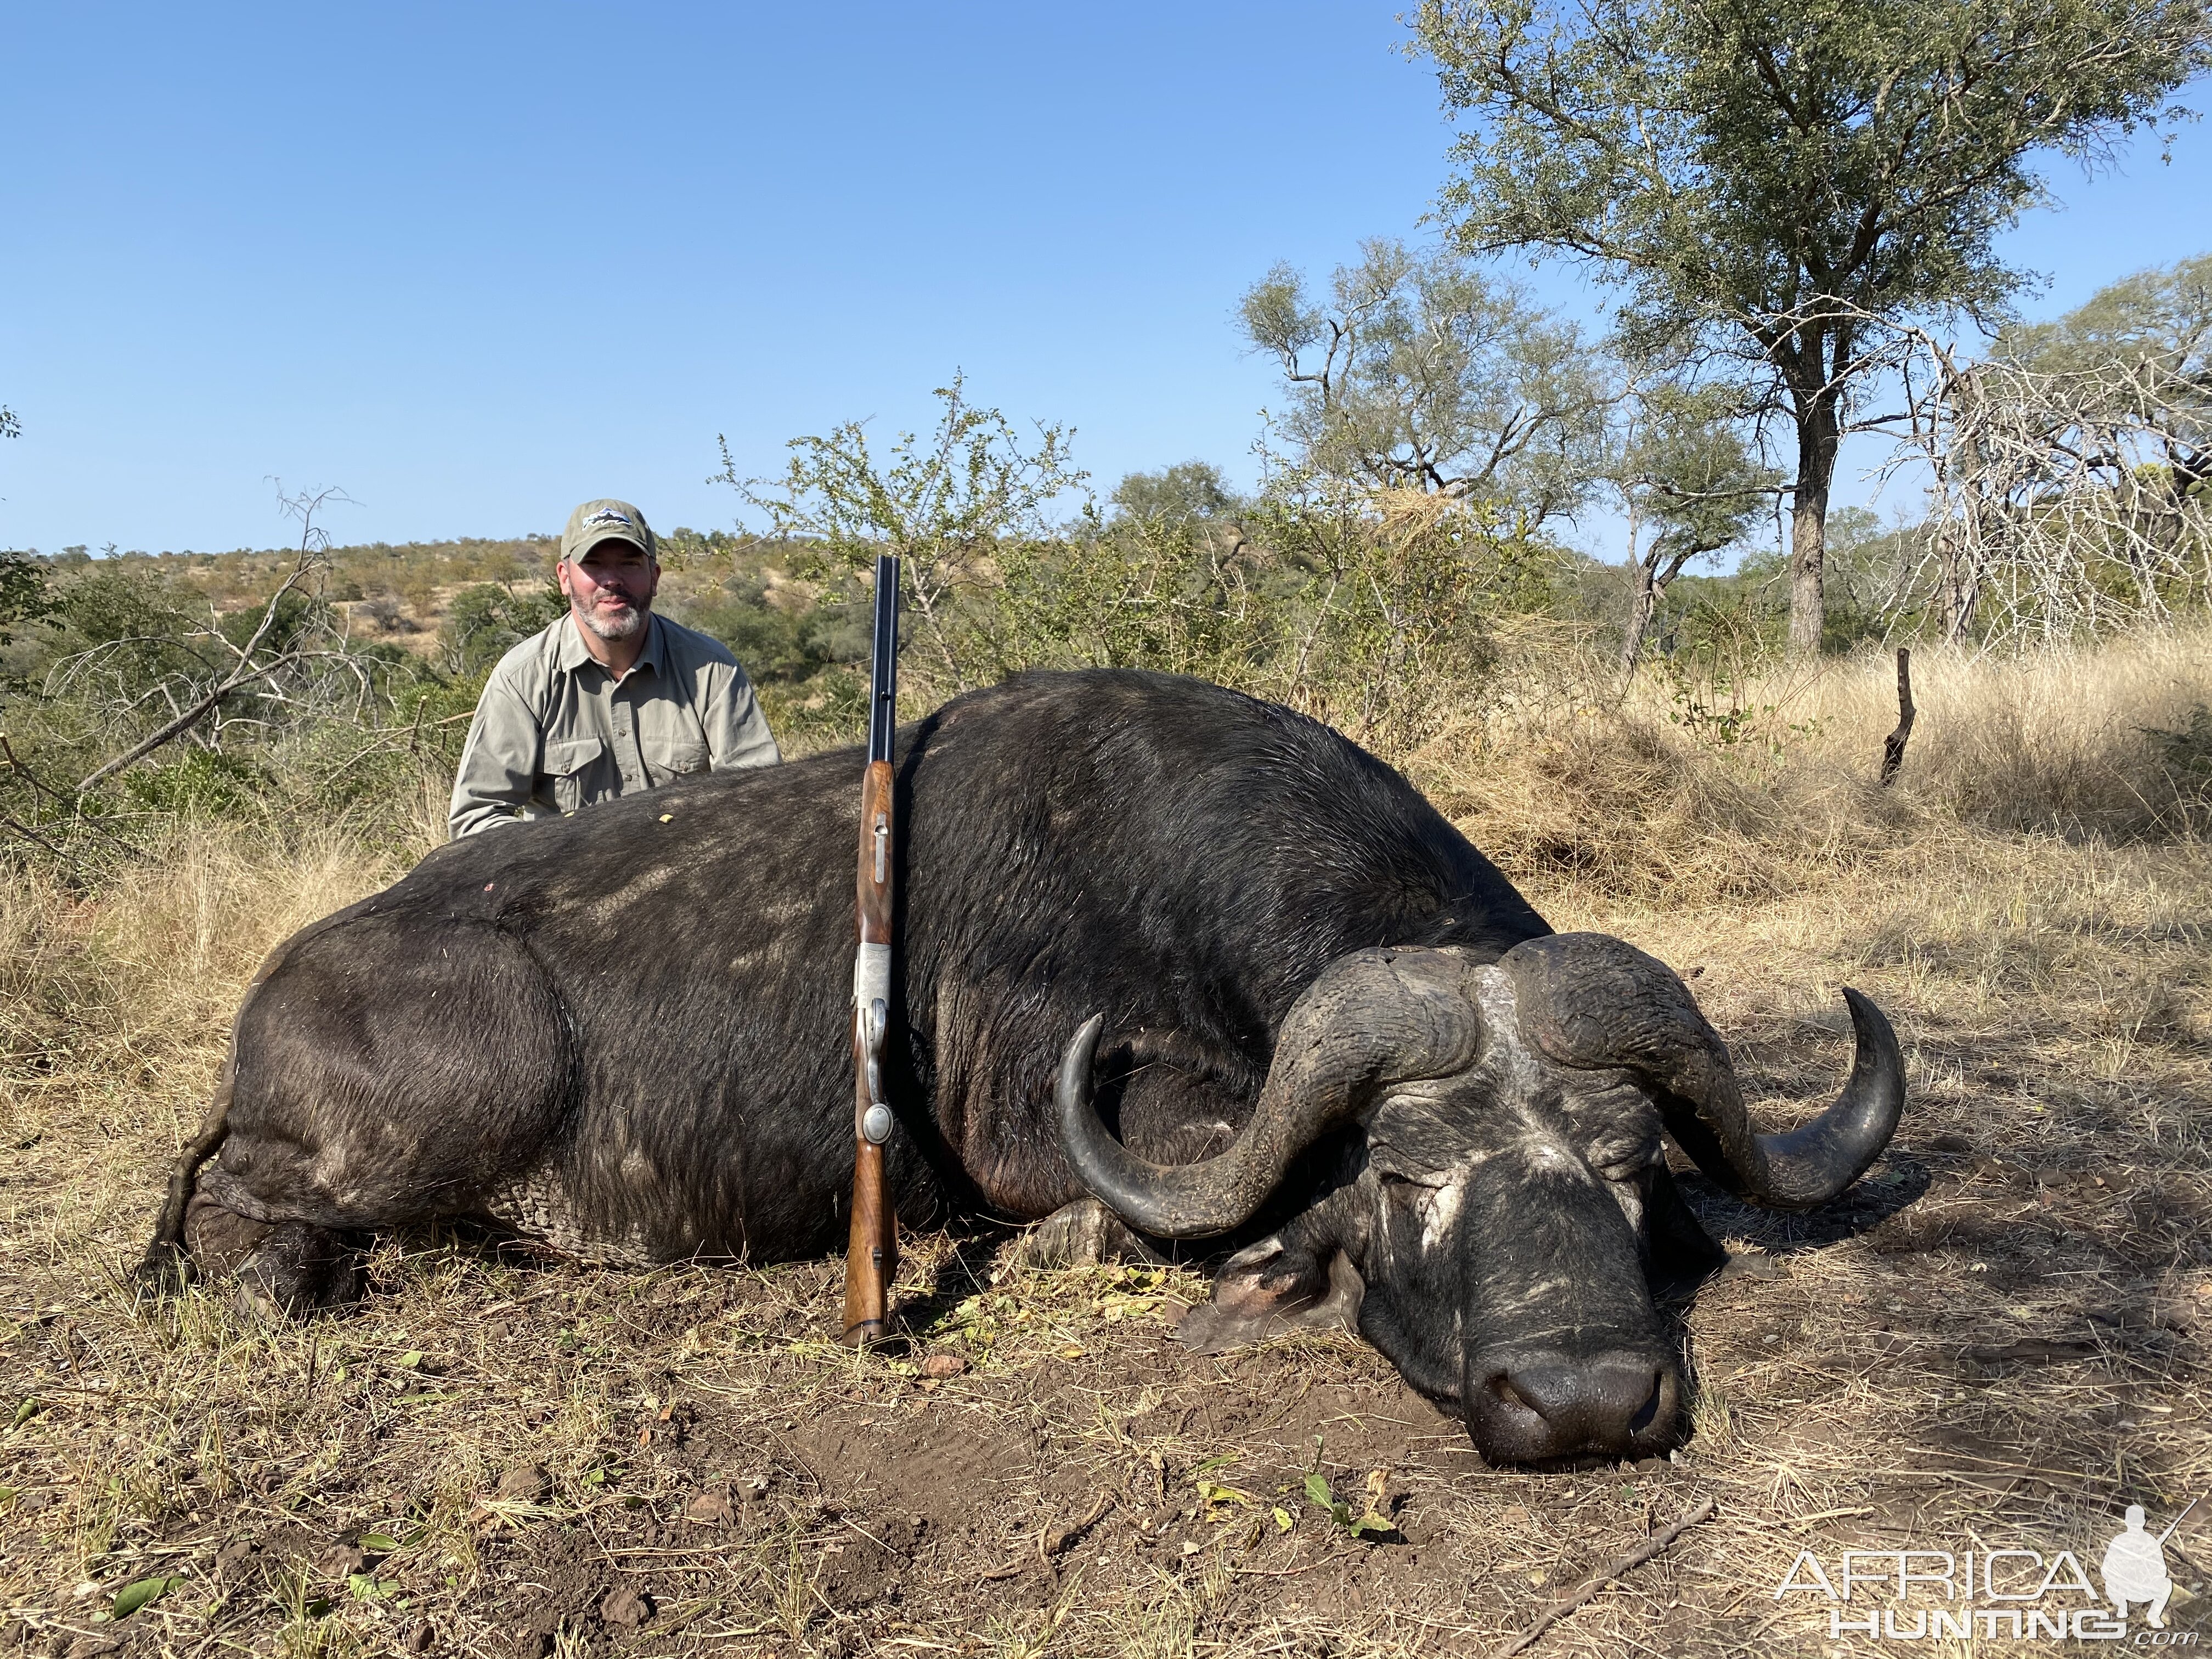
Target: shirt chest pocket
x,y
568,763
679,756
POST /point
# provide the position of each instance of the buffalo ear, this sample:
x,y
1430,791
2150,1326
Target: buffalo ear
x,y
1272,1288
1683,1254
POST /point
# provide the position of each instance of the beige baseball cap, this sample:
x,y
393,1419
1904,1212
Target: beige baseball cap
x,y
605,521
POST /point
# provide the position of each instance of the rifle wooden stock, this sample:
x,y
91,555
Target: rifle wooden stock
x,y
871,1256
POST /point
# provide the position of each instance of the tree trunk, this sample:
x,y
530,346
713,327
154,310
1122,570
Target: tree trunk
x,y
1639,619
1959,589
1645,599
1817,443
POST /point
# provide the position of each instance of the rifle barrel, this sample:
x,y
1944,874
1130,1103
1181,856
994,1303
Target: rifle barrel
x,y
883,688
2179,1519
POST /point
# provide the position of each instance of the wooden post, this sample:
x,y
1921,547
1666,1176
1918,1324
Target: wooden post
x,y
1892,746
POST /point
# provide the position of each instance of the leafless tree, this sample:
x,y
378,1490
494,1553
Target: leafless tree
x,y
270,661
2069,475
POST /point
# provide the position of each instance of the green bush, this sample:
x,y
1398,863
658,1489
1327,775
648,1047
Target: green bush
x,y
204,783
484,621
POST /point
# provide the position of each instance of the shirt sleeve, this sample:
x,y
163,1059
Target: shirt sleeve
x,y
499,763
736,732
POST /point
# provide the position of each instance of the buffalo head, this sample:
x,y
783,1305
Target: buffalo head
x,y
1497,1188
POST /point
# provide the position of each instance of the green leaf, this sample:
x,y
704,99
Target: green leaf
x,y
1340,1512
366,1589
24,1413
1283,1521
131,1597
379,1543
409,1360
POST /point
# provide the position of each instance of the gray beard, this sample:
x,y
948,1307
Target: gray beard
x,y
612,627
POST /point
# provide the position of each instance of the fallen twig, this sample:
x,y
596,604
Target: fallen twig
x,y
39,785
1620,1569
40,788
1050,1541
1294,1572
1054,1540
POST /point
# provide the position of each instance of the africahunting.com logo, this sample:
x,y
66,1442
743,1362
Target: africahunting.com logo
x,y
1928,1595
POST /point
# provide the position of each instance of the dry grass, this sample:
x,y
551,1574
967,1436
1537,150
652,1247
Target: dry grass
x,y
1693,789
2001,1338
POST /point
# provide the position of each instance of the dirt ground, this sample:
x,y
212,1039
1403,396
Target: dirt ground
x,y
1997,1341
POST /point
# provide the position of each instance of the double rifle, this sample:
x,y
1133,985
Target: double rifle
x,y
871,1257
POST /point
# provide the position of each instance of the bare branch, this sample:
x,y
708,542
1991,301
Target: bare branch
x,y
314,543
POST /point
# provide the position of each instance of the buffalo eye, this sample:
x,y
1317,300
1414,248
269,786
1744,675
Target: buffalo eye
x,y
1415,1185
1404,1189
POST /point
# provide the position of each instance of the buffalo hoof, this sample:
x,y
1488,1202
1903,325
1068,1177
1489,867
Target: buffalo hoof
x,y
1082,1235
163,1274
220,1241
298,1271
1247,1307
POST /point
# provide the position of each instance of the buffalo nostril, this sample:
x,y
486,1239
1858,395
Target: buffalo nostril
x,y
1502,1387
1649,1410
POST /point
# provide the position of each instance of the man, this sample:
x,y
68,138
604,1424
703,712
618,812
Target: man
x,y
2135,1569
607,700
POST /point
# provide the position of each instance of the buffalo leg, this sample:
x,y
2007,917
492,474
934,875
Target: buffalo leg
x,y
301,1270
284,1269
168,1265
384,1077
1082,1234
1280,1285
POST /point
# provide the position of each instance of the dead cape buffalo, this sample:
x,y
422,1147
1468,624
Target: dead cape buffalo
x,y
1324,1023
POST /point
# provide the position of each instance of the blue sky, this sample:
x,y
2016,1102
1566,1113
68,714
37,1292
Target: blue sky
x,y
476,263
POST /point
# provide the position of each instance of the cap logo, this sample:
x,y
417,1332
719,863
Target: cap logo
x,y
608,516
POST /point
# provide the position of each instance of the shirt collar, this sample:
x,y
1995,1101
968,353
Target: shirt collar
x,y
651,656
574,656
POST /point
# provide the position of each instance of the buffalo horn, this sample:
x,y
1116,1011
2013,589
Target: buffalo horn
x,y
1588,1000
1372,1019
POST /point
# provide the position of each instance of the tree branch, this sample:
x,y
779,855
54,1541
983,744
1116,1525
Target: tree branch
x,y
239,677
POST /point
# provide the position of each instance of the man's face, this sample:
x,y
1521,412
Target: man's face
x,y
611,588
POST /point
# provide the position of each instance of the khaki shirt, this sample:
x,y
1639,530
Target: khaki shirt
x,y
554,730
